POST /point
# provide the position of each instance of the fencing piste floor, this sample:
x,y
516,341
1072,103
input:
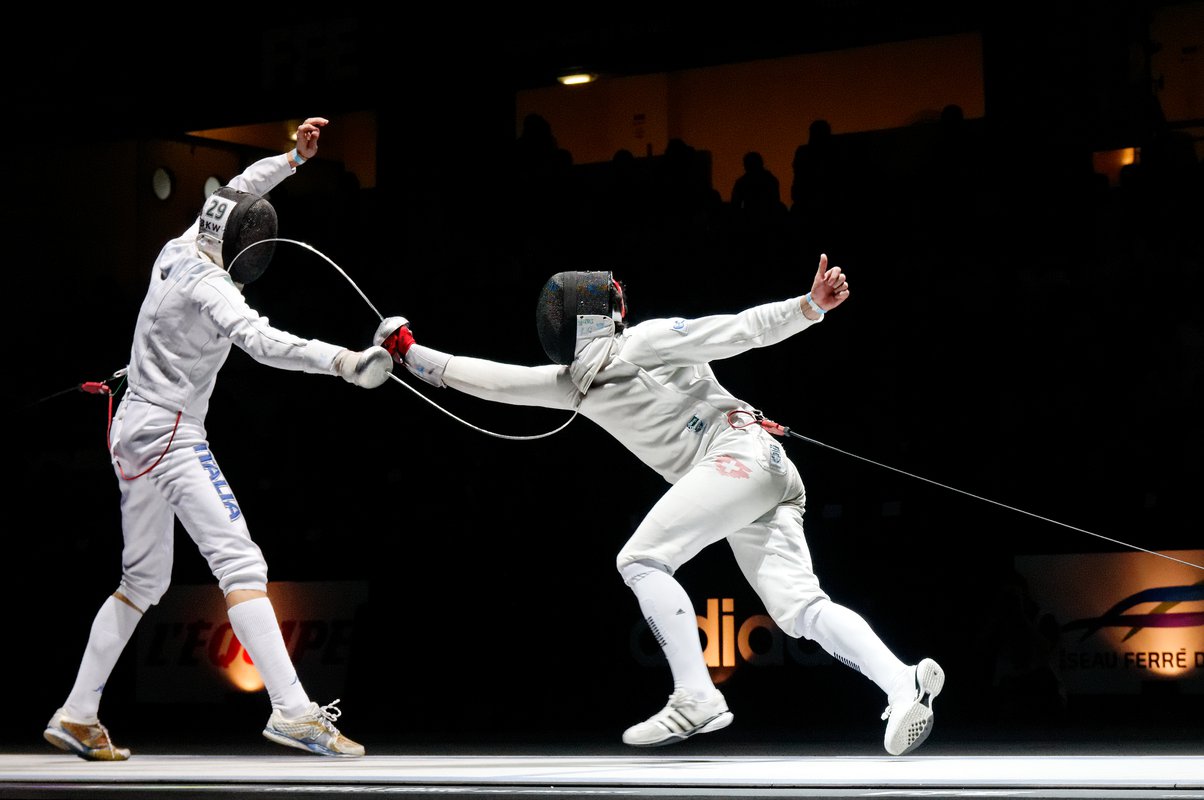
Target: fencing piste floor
x,y
651,775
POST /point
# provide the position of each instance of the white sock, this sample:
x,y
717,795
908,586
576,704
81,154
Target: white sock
x,y
111,631
669,613
255,624
848,638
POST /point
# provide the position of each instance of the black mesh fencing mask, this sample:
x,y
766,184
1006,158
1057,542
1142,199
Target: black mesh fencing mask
x,y
230,223
568,296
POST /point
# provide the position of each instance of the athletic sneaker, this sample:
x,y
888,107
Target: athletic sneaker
x,y
313,731
683,717
909,716
86,741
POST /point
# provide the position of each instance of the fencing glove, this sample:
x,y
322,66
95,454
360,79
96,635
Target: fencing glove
x,y
394,335
367,368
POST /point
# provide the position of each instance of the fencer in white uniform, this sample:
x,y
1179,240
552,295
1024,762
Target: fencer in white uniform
x,y
651,386
193,313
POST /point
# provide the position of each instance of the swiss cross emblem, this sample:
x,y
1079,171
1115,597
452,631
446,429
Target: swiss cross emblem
x,y
731,467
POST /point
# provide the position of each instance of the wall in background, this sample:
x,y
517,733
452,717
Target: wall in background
x,y
766,105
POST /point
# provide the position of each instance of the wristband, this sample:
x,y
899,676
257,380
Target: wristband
x,y
814,305
296,157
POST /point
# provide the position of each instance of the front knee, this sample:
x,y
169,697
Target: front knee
x,y
804,623
237,596
141,592
246,574
635,571
121,598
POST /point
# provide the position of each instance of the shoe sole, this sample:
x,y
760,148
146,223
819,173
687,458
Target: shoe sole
x,y
719,722
64,741
314,748
917,720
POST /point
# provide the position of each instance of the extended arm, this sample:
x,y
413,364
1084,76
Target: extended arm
x,y
252,333
547,386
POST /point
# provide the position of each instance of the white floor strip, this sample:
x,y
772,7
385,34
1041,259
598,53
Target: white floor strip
x,y
1170,773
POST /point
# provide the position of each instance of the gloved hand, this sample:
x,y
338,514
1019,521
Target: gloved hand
x,y
394,335
367,368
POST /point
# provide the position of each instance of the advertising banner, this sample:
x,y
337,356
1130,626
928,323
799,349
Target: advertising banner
x,y
1123,619
188,653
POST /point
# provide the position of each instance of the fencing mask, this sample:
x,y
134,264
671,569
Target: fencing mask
x,y
232,221
575,307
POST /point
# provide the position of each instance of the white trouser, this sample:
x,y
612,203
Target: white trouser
x,y
748,492
186,483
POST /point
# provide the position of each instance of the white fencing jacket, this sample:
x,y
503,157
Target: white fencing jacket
x,y
193,312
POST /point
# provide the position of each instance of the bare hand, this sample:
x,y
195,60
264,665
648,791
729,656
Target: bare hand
x,y
307,136
830,287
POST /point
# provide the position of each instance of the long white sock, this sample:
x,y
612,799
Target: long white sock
x,y
669,613
112,628
255,624
848,638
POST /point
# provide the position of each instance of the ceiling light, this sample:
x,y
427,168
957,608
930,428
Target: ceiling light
x,y
577,78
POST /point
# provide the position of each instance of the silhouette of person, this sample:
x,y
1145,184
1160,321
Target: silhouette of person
x,y
535,148
757,192
684,185
814,167
816,190
621,209
760,215
946,186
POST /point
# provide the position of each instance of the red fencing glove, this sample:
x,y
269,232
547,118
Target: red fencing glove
x,y
394,335
399,342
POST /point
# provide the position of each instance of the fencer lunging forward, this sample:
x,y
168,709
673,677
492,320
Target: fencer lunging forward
x,y
193,312
651,386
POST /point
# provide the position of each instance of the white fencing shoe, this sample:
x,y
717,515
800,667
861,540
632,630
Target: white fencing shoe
x,y
683,717
89,741
314,731
909,715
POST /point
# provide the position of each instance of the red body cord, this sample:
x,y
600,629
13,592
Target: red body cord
x,y
757,419
96,387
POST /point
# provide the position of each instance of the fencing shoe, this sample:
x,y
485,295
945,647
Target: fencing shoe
x,y
909,715
683,717
313,731
90,742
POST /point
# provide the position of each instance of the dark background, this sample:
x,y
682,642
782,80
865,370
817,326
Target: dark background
x,y
1019,330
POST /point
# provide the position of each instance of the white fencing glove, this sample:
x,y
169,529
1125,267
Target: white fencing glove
x,y
367,368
